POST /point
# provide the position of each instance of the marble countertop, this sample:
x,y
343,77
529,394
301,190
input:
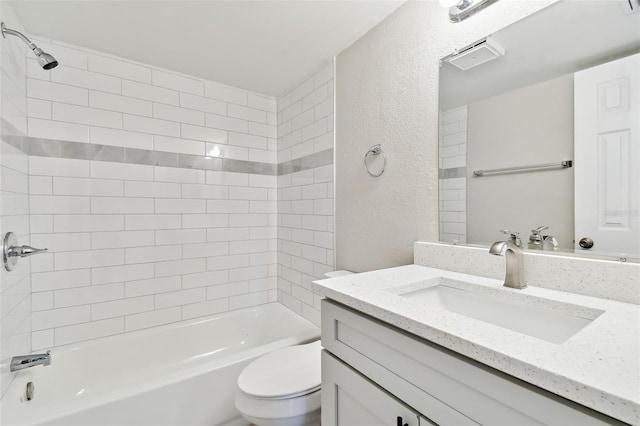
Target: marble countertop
x,y
599,367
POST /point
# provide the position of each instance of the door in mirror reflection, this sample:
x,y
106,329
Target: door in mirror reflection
x,y
607,156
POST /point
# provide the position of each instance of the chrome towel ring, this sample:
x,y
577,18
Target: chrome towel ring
x,y
375,150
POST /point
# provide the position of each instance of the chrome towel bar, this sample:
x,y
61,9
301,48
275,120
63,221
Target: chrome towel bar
x,y
562,165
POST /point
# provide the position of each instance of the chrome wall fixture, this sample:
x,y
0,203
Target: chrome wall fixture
x,y
561,165
460,10
375,150
45,60
26,361
11,251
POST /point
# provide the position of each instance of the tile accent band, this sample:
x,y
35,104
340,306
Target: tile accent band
x,y
456,172
319,159
40,147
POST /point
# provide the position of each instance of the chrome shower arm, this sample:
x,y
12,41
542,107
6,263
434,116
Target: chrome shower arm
x,y
18,34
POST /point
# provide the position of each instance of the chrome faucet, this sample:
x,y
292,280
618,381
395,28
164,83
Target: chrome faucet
x,y
536,239
512,250
542,242
25,361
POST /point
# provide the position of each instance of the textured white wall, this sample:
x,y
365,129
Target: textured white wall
x,y
387,92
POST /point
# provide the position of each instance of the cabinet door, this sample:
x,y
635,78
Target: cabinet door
x,y
349,399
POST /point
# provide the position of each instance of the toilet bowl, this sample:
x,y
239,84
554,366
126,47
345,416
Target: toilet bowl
x,y
282,388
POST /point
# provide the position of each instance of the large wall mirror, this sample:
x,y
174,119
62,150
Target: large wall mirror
x,y
539,130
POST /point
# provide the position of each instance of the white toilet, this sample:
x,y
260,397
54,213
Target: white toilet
x,y
282,388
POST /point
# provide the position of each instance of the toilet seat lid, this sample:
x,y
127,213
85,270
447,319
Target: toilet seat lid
x,y
283,373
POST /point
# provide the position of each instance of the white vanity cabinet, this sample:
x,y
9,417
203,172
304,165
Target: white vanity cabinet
x,y
373,373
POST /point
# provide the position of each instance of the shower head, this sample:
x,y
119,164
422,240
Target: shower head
x,y
45,60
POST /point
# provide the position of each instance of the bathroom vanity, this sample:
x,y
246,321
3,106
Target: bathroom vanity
x,y
400,349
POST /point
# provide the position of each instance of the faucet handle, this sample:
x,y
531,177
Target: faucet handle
x,y
539,230
513,236
512,233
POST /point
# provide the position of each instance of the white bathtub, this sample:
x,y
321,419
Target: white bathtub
x,y
181,374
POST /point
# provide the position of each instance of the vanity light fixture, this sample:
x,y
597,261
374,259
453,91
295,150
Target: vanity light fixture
x,y
460,10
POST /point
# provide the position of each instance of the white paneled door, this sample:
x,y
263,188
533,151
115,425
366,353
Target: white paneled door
x,y
607,156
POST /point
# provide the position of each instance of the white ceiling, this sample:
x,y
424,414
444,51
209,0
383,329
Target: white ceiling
x,y
264,46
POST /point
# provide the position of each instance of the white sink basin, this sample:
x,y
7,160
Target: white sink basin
x,y
545,319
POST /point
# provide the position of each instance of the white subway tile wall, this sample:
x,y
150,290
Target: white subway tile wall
x,y
150,250
15,286
305,198
96,98
135,246
453,192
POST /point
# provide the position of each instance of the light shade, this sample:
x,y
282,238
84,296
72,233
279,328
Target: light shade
x,y
462,9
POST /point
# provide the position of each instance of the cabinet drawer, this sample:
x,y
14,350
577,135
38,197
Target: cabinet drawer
x,y
446,387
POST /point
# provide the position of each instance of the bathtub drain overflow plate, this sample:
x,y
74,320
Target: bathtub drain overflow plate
x,y
30,391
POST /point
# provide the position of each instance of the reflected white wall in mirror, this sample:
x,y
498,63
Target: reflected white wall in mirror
x,y
520,109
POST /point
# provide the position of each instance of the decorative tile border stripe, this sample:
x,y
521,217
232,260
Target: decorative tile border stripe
x,y
456,172
319,159
86,151
14,137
